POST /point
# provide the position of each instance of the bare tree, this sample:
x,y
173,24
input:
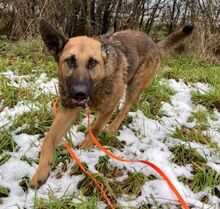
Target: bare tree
x,y
88,17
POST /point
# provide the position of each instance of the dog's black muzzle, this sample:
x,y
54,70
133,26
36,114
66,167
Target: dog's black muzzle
x,y
79,95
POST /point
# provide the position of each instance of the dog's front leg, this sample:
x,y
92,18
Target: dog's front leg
x,y
62,122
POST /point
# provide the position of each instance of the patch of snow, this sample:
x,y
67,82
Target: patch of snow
x,y
15,80
26,144
181,106
214,166
41,84
50,87
9,114
202,88
145,139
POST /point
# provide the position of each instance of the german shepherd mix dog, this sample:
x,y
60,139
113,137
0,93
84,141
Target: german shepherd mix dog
x,y
97,71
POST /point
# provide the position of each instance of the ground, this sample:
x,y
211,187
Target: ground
x,y
175,124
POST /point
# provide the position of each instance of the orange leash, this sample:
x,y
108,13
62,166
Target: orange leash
x,y
74,157
54,108
162,174
87,173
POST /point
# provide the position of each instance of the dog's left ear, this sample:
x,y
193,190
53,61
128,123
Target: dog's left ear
x,y
105,42
53,40
108,33
105,48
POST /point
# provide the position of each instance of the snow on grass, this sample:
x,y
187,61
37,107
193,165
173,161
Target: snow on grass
x,y
145,139
202,88
16,80
41,85
214,130
7,115
47,87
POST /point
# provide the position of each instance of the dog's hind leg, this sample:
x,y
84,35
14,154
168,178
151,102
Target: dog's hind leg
x,y
62,122
135,87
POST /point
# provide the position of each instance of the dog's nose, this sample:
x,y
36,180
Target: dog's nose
x,y
79,92
80,95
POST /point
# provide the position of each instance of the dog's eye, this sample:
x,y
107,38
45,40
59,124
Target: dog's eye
x,y
91,64
71,62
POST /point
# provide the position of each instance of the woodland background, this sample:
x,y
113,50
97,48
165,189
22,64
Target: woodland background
x,y
19,19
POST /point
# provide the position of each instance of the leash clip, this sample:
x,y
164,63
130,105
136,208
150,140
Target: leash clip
x,y
86,106
87,109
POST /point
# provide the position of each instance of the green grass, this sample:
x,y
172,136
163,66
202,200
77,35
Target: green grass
x,y
201,119
26,57
24,182
109,171
76,170
183,155
132,185
211,100
4,191
193,135
29,58
29,160
203,177
11,95
88,188
151,99
191,69
65,202
6,141
82,128
61,155
37,121
4,158
201,116
80,117
111,140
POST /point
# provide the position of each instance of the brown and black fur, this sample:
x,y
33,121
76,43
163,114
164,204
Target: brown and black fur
x,y
103,67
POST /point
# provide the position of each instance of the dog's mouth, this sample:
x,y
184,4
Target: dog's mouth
x,y
81,102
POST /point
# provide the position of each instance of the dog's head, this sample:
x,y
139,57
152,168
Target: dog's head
x,y
80,63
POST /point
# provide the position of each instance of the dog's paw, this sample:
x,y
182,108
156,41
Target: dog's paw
x,y
39,178
87,143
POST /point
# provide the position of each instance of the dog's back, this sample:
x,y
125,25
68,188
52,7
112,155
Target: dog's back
x,y
137,48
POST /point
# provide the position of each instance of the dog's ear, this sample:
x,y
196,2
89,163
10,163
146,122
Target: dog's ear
x,y
108,33
53,40
105,50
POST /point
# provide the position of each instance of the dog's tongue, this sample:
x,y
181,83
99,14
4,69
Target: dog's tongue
x,y
79,101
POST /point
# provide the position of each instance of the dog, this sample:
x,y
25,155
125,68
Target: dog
x,y
98,71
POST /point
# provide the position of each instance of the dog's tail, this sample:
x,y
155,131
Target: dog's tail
x,y
166,45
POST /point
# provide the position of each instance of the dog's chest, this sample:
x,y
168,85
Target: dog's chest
x,y
106,95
